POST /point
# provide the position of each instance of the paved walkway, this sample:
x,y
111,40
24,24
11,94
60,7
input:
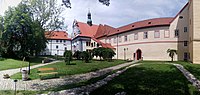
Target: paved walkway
x,y
8,83
45,84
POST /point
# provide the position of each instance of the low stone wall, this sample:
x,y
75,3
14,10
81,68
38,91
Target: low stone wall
x,y
195,82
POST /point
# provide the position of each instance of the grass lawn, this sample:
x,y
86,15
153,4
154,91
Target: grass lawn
x,y
11,92
149,79
6,64
192,68
79,67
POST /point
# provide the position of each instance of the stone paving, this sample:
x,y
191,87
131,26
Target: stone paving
x,y
8,84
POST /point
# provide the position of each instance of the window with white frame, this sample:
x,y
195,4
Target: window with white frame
x,y
176,33
157,34
145,35
115,40
136,36
125,38
120,39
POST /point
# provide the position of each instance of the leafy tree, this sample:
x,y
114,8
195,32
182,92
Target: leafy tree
x,y
68,56
172,52
47,13
86,56
105,53
77,55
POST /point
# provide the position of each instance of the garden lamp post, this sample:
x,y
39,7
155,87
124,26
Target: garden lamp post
x,y
15,81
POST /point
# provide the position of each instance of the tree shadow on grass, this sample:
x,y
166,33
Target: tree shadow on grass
x,y
148,81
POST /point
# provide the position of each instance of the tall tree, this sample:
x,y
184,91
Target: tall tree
x,y
22,34
47,13
172,53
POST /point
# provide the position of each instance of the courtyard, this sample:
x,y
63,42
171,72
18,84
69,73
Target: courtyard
x,y
146,78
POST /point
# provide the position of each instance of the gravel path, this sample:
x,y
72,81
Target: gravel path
x,y
8,84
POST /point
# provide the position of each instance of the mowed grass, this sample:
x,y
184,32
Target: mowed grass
x,y
192,68
149,79
12,92
6,64
77,67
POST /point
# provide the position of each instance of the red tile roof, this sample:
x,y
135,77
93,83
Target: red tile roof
x,y
57,35
86,30
143,24
107,45
104,31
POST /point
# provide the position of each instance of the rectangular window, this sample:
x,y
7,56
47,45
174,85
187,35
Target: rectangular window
x,y
115,40
91,44
145,35
185,29
136,36
176,33
65,48
167,34
125,38
120,39
60,41
185,43
185,56
57,47
64,41
157,34
57,41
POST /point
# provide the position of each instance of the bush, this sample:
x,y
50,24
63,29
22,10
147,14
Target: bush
x,y
77,55
68,56
105,53
86,56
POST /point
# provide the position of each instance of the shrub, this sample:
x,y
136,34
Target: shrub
x,y
86,56
77,55
105,53
68,56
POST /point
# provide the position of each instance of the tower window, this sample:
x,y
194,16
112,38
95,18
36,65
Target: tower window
x,y
185,43
176,33
185,29
181,17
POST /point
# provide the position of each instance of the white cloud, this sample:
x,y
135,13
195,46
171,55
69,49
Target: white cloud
x,y
5,3
119,13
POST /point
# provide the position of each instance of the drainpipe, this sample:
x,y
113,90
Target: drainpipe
x,y
117,46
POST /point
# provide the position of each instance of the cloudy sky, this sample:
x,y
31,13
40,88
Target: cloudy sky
x,y
119,13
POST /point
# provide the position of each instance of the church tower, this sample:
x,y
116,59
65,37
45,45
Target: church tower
x,y
194,33
89,21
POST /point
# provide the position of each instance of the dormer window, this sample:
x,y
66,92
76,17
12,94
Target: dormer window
x,y
149,22
133,25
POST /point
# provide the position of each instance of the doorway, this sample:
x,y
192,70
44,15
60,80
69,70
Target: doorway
x,y
139,54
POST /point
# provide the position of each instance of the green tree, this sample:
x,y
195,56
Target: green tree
x,y
172,53
77,55
68,56
86,56
47,13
